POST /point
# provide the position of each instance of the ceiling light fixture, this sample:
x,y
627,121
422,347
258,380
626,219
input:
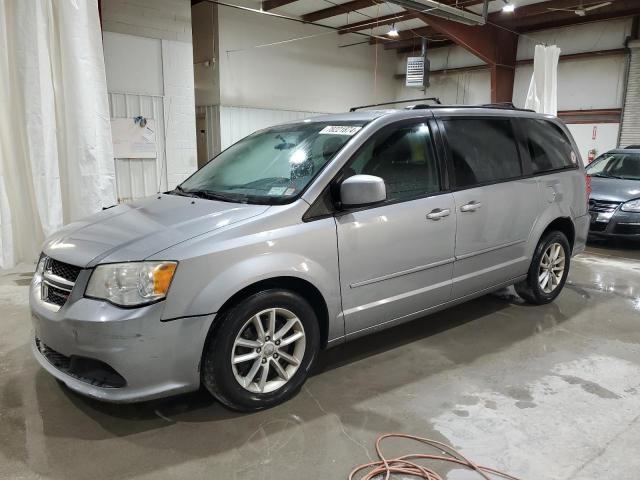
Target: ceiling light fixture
x,y
393,33
508,7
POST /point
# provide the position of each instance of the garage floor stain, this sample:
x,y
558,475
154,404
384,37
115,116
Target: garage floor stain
x,y
548,392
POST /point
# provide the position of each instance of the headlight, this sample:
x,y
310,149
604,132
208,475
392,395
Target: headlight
x,y
131,284
632,206
37,277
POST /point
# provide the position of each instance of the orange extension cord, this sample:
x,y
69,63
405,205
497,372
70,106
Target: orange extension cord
x,y
404,464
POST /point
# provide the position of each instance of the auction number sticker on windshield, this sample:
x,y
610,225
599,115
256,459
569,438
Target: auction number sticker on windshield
x,y
340,130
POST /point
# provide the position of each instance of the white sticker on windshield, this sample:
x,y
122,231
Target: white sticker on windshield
x,y
289,191
340,130
277,190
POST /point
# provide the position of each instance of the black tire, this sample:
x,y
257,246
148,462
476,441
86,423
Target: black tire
x,y
217,372
530,289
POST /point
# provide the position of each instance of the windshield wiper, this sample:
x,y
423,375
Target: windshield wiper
x,y
209,195
182,192
206,194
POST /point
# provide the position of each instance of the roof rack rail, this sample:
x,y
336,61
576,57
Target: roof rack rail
x,y
506,106
431,99
498,106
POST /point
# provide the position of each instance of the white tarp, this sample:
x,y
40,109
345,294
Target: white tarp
x,y
543,90
56,160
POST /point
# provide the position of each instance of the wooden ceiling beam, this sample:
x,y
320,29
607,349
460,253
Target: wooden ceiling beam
x,y
404,36
359,4
537,17
339,10
271,4
553,19
493,45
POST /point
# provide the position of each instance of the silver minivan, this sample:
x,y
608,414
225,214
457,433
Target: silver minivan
x,y
301,237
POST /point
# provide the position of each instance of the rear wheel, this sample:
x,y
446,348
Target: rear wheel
x,y
262,351
548,271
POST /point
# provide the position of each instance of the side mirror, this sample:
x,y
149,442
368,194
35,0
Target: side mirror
x,y
362,190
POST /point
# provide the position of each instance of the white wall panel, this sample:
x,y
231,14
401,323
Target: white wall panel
x,y
133,64
583,84
606,137
238,122
149,67
472,87
631,118
587,37
179,111
166,19
261,67
212,124
137,178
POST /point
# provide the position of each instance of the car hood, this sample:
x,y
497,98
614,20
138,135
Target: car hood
x,y
137,230
614,189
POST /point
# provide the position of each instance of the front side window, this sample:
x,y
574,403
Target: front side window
x,y
404,158
271,166
548,147
616,165
483,150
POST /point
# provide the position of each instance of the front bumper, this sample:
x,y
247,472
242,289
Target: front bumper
x,y
621,224
155,358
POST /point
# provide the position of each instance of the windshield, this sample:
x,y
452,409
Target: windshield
x,y
271,166
616,165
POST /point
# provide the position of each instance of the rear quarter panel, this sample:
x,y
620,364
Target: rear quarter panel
x,y
563,194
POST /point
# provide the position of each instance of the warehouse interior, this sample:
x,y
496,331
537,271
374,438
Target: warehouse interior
x,y
544,392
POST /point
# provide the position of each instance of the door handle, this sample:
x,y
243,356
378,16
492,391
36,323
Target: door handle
x,y
471,207
438,213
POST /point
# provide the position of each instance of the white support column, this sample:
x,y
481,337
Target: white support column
x,y
630,128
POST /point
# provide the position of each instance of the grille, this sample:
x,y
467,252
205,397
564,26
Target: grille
x,y
58,279
627,229
56,359
55,295
64,270
88,370
601,206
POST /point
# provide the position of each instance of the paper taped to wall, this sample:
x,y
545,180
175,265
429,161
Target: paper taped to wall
x,y
130,140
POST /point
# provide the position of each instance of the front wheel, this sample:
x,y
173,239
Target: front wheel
x,y
548,271
262,350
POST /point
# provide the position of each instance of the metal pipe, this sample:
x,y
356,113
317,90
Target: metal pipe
x,y
485,10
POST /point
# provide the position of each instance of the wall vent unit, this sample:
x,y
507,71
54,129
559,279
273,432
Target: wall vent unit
x,y
417,72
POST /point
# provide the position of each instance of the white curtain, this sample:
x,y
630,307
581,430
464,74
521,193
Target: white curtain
x,y
56,158
543,90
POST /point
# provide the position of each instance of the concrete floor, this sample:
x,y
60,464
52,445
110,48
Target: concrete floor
x,y
547,392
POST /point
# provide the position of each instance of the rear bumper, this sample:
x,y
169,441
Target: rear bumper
x,y
582,229
154,359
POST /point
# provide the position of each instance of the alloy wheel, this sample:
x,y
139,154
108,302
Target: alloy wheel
x,y
268,350
551,267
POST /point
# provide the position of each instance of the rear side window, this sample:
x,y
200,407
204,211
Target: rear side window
x,y
404,158
483,150
548,147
